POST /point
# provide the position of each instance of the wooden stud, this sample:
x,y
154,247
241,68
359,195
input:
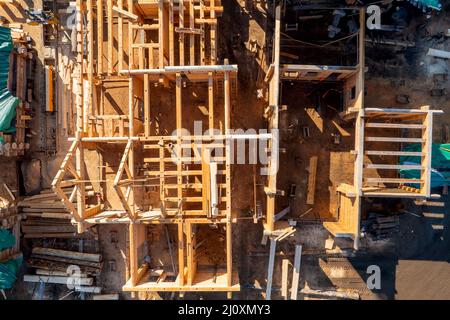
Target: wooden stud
x,y
296,272
110,37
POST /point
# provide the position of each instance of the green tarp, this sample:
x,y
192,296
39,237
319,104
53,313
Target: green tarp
x,y
7,239
8,102
10,268
440,164
8,272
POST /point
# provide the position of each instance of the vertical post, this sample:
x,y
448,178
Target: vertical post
x,y
227,100
202,35
133,233
171,35
296,272
90,28
110,37
100,36
427,136
179,149
120,35
212,8
191,36
79,163
211,102
274,97
284,278
181,254
146,105
130,37
181,35
273,246
161,31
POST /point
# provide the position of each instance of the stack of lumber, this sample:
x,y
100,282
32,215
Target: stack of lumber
x,y
20,84
45,216
17,33
64,267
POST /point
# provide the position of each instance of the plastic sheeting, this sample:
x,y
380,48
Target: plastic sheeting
x,y
8,102
8,272
440,164
8,269
7,239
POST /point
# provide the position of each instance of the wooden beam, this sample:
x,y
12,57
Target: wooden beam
x,y
392,166
296,272
394,139
100,36
213,31
125,13
120,34
192,31
393,153
392,180
181,246
110,36
211,102
273,246
146,105
312,174
284,278
394,125
171,35
181,35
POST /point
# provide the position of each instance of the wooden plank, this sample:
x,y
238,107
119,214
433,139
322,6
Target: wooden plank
x,y
394,125
57,280
181,254
125,13
273,246
111,296
427,144
296,272
213,31
92,257
394,139
284,278
181,35
171,35
211,102
312,174
120,35
392,180
192,31
110,36
393,153
146,105
392,166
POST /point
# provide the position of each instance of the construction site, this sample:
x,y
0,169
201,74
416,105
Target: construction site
x,y
224,149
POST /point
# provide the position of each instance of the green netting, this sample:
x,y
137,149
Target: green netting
x,y
8,102
440,164
8,272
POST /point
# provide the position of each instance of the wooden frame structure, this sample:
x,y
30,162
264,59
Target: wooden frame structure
x,y
371,125
172,179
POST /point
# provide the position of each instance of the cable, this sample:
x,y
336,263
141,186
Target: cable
x,y
320,45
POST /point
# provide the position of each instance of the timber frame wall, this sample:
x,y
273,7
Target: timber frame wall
x,y
170,44
417,122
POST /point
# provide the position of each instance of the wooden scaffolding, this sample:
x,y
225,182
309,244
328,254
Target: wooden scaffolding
x,y
164,175
376,138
